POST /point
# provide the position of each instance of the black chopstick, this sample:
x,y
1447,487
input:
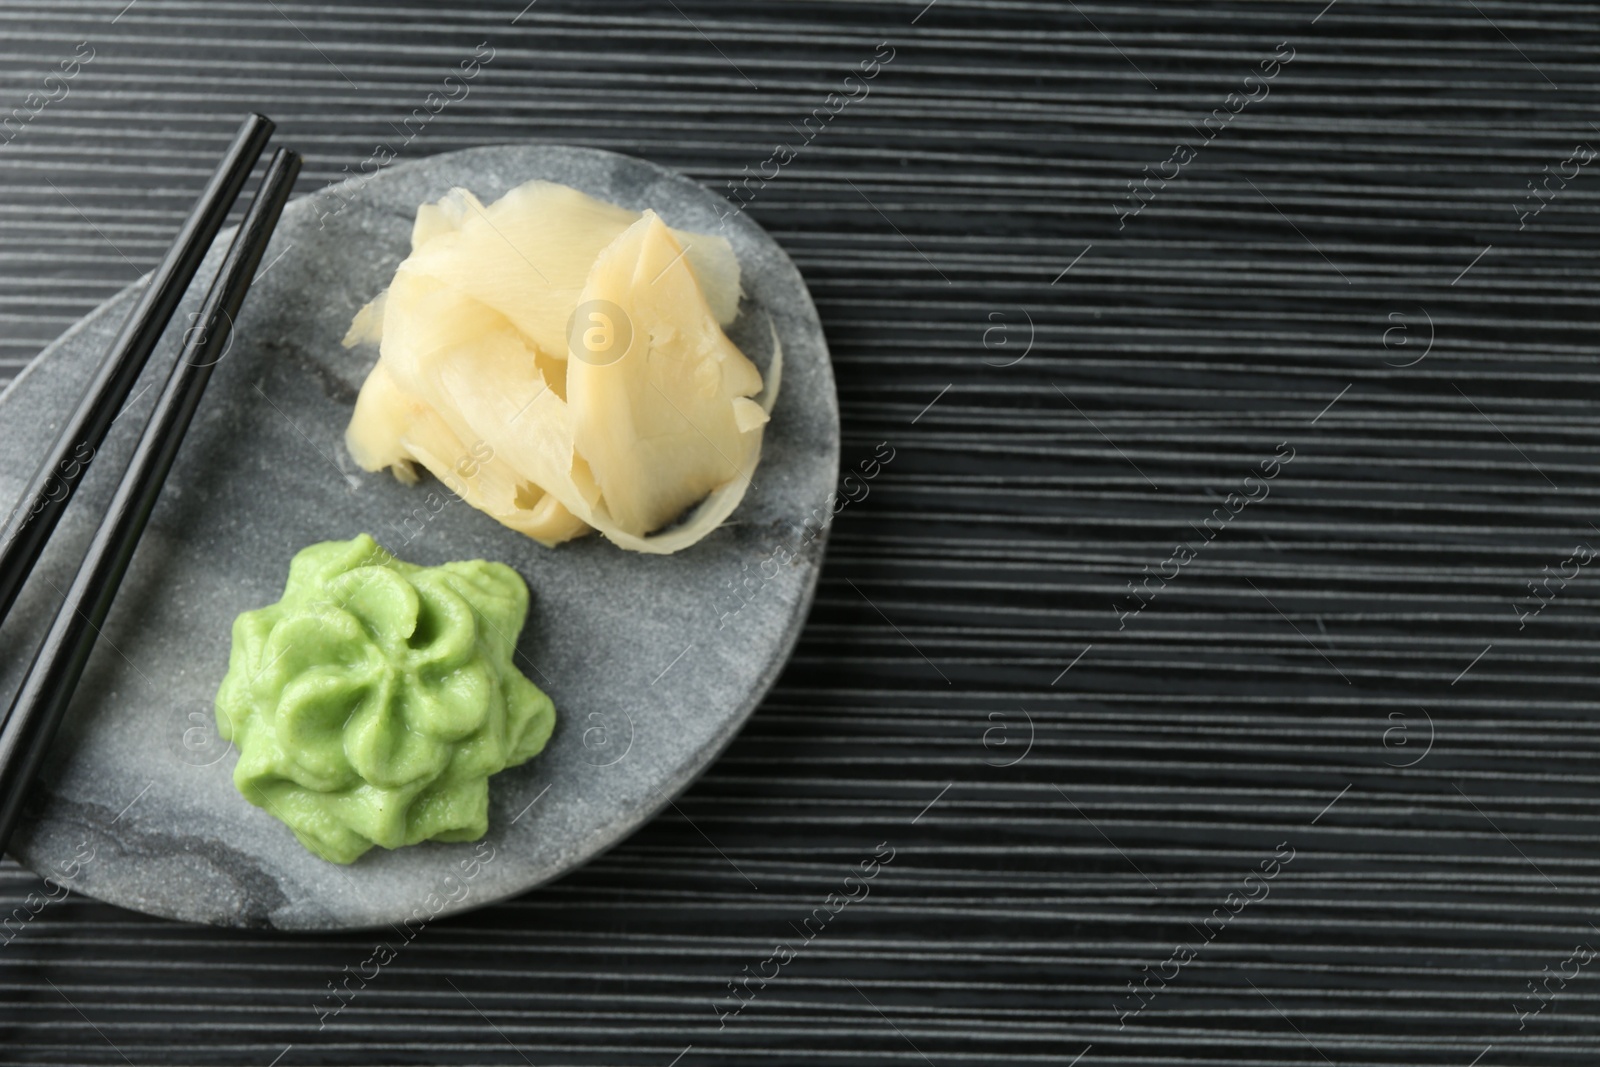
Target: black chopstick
x,y
42,700
28,527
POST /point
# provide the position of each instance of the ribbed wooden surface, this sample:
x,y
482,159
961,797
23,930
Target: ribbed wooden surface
x,y
1277,296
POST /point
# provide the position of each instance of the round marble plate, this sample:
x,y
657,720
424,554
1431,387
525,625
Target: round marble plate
x,y
653,664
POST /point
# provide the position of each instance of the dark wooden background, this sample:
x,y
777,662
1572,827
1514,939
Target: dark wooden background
x,y
1354,271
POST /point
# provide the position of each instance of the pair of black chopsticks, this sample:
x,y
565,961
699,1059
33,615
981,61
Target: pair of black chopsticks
x,y
37,710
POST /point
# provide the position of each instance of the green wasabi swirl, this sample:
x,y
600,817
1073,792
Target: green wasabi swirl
x,y
371,704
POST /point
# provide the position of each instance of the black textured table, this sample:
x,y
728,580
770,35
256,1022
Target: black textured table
x,y
1208,677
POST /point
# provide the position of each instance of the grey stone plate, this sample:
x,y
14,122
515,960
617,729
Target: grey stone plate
x,y
651,668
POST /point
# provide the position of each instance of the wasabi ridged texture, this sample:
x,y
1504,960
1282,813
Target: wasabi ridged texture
x,y
371,704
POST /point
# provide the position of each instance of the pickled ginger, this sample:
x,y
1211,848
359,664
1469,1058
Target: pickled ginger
x,y
560,364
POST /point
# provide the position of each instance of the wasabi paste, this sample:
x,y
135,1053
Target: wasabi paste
x,y
371,704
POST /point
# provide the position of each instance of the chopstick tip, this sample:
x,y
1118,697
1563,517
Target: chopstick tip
x,y
255,120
